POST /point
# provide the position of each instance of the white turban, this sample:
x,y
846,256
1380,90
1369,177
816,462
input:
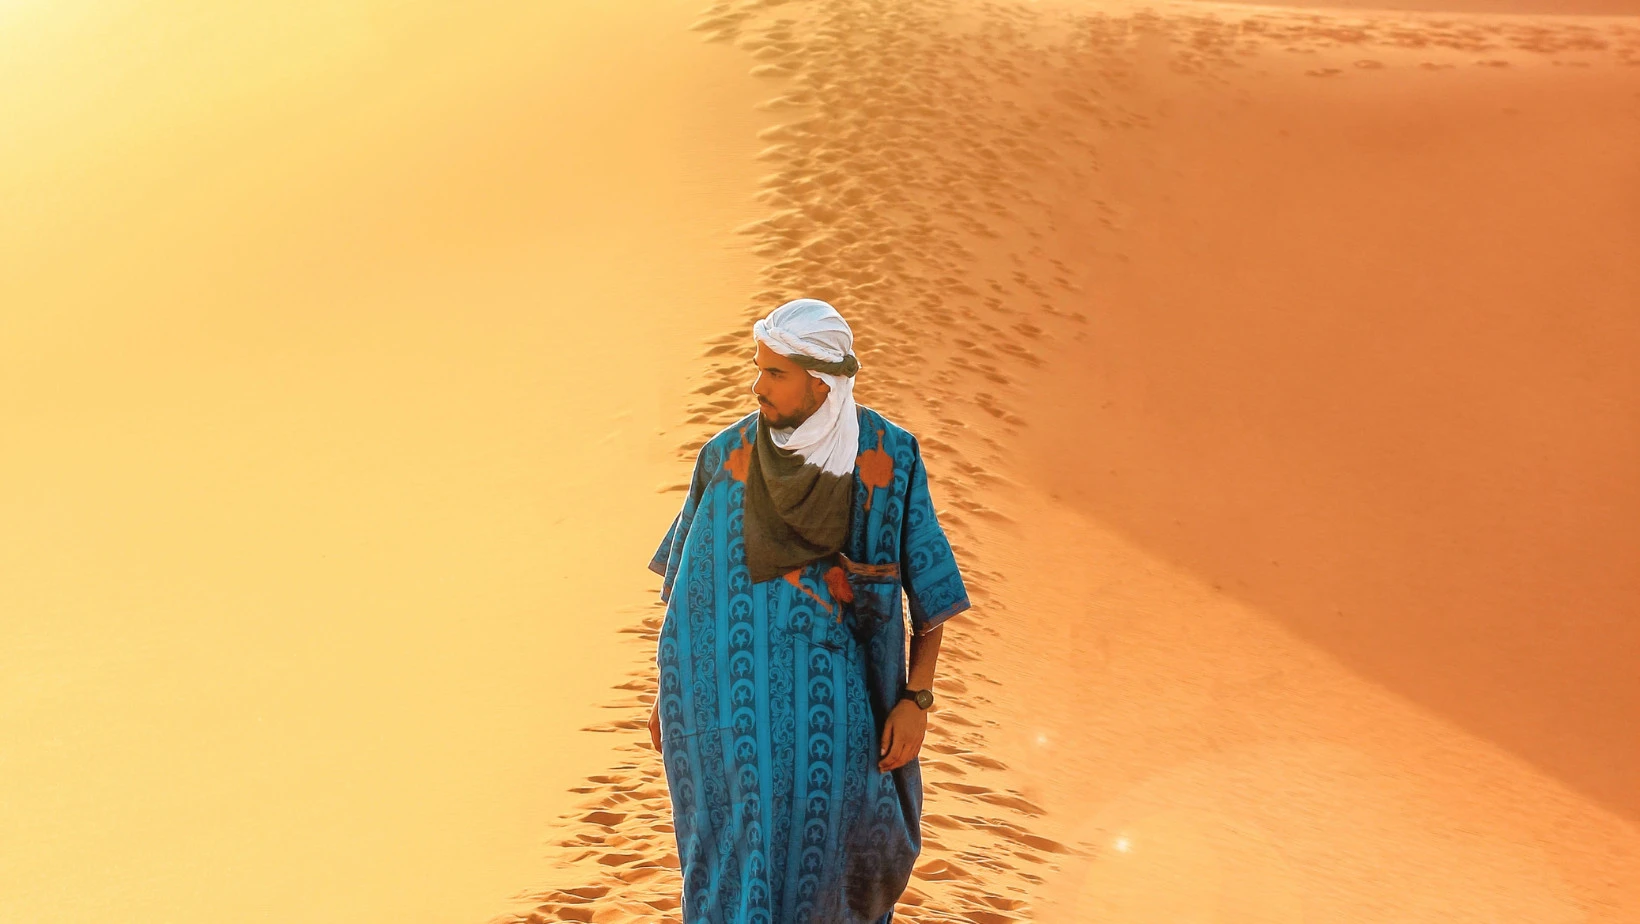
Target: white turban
x,y
808,327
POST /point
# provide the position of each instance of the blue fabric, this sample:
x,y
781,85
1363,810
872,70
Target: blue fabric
x,y
772,710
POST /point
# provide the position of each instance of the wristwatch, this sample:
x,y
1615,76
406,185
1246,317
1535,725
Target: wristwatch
x,y
923,698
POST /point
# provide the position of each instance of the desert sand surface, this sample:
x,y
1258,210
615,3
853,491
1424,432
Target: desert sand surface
x,y
1497,9
1273,368
1274,371
335,339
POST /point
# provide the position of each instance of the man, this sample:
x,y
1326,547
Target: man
x,y
787,720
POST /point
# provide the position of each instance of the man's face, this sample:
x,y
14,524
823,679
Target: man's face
x,y
786,393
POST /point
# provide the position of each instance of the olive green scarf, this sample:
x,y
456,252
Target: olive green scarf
x,y
796,513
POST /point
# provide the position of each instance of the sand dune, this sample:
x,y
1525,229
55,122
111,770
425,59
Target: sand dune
x,y
331,336
1272,369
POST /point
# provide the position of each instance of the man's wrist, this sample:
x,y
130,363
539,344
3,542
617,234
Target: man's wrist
x,y
922,698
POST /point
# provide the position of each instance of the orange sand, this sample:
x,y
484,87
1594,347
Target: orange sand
x,y
322,424
1273,369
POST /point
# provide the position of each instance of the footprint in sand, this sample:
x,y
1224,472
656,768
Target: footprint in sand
x,y
1017,803
980,760
941,870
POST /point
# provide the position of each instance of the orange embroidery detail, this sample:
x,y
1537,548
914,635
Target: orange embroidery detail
x,y
876,469
794,577
740,459
837,580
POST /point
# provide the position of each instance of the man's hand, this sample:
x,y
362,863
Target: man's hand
x,y
902,735
655,724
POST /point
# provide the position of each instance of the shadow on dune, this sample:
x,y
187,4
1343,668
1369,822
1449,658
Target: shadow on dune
x,y
1381,383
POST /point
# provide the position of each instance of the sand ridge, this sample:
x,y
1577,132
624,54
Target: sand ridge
x,y
919,180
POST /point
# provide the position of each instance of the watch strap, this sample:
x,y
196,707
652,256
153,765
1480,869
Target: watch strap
x,y
908,693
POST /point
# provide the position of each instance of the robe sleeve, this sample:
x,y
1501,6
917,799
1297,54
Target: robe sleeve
x,y
665,560
933,585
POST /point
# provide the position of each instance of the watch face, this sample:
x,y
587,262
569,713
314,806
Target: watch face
x,y
924,699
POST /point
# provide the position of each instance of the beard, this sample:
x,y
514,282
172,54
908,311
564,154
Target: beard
x,y
811,403
777,422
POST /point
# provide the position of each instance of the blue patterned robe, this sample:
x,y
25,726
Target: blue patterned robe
x,y
772,709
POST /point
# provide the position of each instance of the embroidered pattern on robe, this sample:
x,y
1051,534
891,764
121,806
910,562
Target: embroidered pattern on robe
x,y
772,707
